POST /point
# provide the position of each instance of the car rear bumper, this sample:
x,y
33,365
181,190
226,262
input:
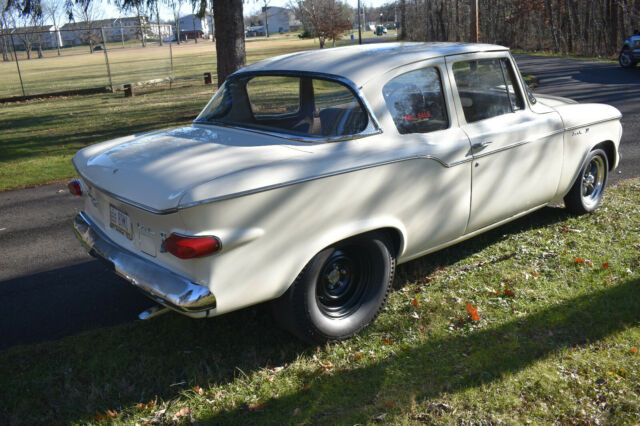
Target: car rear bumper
x,y
158,283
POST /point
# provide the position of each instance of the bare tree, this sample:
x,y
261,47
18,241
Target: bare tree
x,y
265,9
85,16
175,6
327,19
54,10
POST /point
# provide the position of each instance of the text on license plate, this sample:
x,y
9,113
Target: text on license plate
x,y
120,221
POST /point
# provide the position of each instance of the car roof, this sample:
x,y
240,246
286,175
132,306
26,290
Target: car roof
x,y
359,63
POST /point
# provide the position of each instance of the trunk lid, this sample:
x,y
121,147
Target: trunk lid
x,y
154,170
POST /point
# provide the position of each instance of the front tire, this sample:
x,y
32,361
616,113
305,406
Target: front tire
x,y
586,193
625,60
340,291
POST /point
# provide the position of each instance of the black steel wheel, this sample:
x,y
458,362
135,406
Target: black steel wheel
x,y
586,193
340,291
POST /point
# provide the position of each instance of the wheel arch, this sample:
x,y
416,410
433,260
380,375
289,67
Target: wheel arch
x,y
609,149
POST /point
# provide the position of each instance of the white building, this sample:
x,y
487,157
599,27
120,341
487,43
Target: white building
x,y
281,20
115,30
45,37
191,26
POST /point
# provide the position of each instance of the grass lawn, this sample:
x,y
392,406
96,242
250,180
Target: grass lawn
x,y
78,69
39,137
555,340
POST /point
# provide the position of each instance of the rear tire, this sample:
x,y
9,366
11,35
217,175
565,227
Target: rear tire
x,y
586,193
340,291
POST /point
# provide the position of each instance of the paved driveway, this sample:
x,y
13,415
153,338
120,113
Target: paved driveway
x,y
49,286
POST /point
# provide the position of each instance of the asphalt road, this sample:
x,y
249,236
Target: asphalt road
x,y
50,287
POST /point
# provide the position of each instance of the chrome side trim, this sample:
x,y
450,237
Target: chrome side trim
x,y
161,285
593,123
321,176
517,144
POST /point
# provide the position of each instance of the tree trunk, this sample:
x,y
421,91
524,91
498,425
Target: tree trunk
x,y
229,30
403,19
195,32
158,20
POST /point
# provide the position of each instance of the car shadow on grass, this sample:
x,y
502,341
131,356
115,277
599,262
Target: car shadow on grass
x,y
422,373
118,367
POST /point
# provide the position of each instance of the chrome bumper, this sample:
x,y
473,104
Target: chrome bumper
x,y
160,284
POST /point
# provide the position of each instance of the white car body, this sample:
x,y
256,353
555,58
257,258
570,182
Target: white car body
x,y
274,201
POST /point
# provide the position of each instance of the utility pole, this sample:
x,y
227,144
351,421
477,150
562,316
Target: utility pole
x,y
359,25
474,22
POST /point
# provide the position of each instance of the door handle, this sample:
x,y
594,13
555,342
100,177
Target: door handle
x,y
481,145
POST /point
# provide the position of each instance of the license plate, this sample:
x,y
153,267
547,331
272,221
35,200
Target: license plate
x,y
120,221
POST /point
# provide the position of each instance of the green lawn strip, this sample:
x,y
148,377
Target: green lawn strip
x,y
558,299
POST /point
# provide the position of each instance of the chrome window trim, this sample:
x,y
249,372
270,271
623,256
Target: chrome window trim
x,y
360,98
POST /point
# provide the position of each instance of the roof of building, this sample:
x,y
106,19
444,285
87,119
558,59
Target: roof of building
x,y
359,62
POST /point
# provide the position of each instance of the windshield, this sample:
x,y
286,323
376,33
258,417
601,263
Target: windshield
x,y
299,106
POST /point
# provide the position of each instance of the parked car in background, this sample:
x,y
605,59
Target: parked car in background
x,y
308,177
630,52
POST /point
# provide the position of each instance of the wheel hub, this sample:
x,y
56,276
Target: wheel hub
x,y
341,283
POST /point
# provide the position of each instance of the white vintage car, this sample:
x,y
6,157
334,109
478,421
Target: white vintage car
x,y
309,176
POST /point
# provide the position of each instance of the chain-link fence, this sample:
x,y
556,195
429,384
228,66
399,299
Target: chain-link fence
x,y
39,61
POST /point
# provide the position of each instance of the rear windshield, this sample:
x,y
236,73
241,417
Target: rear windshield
x,y
292,105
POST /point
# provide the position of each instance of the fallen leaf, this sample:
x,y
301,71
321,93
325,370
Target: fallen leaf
x,y
535,275
634,350
473,312
99,417
380,417
588,263
183,412
112,414
509,293
389,404
270,379
358,355
148,405
326,364
197,389
387,341
415,315
414,302
605,265
257,407
578,260
427,279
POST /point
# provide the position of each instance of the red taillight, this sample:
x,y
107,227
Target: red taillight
x,y
190,247
74,187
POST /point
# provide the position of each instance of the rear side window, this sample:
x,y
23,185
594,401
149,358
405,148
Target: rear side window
x,y
416,101
288,105
487,88
270,95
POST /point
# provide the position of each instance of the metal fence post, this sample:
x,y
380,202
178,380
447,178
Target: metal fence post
x,y
171,74
15,55
122,36
106,57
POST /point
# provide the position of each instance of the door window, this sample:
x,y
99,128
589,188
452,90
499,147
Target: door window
x,y
487,88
